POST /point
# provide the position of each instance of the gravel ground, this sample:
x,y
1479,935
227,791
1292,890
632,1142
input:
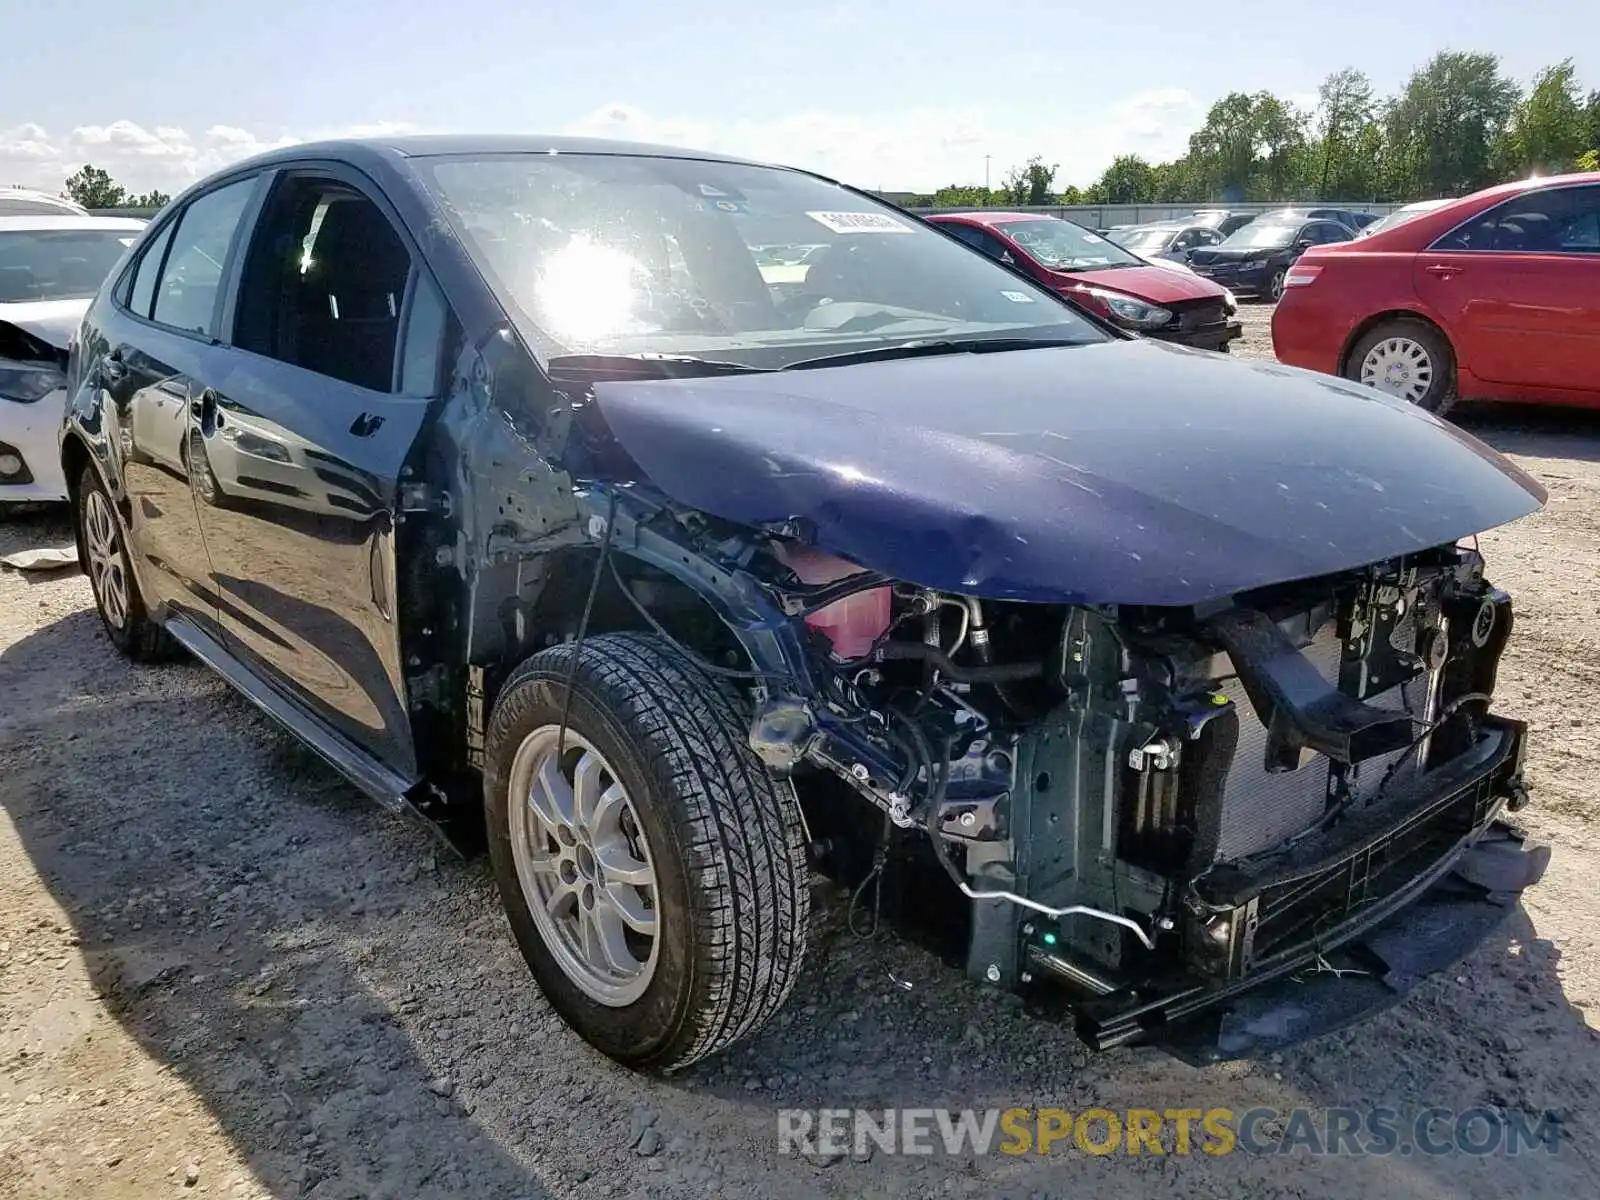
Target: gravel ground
x,y
223,973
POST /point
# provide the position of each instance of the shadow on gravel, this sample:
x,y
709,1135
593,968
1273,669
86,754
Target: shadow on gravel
x,y
210,881
347,1002
1540,432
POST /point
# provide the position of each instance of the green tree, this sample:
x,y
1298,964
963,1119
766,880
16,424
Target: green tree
x,y
94,188
1550,127
1175,182
1222,151
1345,123
1280,130
1443,128
1128,180
155,199
1250,146
961,196
1029,183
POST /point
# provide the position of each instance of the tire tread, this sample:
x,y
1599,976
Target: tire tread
x,y
740,826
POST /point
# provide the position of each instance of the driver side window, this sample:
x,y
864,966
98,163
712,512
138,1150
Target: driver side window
x,y
993,246
325,284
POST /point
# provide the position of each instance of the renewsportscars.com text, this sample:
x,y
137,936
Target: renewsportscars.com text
x,y
1179,1131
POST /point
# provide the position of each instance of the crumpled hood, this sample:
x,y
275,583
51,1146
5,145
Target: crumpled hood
x,y
52,321
1129,472
1158,285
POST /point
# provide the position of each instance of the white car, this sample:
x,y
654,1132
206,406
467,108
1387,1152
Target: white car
x,y
1400,216
50,269
25,202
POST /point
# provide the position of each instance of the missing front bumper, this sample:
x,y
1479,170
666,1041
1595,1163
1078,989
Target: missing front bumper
x,y
1209,337
1394,901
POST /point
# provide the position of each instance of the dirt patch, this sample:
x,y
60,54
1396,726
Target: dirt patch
x,y
222,973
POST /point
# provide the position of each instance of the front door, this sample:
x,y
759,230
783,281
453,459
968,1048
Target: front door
x,y
161,339
1519,289
336,336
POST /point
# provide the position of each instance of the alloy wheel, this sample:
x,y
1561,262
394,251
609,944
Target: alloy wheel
x,y
584,866
107,570
1400,366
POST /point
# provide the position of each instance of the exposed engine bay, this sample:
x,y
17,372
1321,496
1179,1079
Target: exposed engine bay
x,y
1157,806
1135,765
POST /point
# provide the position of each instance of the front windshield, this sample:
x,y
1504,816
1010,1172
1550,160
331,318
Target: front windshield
x,y
1067,247
1144,239
632,255
1256,236
58,264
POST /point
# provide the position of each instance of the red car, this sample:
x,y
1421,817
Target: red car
x,y
1168,302
1495,296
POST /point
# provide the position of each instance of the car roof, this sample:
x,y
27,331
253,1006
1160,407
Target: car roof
x,y
39,222
439,145
33,196
1423,229
992,217
1517,186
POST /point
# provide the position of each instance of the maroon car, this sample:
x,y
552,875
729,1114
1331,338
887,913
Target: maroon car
x,y
1166,302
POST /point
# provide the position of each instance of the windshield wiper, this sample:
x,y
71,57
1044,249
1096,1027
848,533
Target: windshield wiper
x,y
926,347
591,368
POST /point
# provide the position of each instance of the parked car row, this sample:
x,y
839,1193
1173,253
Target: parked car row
x,y
1495,296
1248,253
1095,272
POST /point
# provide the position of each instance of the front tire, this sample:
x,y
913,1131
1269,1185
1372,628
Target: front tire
x,y
653,872
116,591
1407,359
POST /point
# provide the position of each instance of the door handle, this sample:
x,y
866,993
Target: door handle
x,y
1443,270
112,368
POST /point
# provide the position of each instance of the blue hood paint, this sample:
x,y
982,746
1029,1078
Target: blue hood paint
x,y
1128,472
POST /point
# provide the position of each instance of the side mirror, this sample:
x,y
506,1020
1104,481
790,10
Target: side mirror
x,y
1304,244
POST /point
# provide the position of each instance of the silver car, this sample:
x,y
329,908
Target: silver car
x,y
1170,240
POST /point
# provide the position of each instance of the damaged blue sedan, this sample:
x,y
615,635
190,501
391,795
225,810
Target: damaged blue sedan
x,y
671,524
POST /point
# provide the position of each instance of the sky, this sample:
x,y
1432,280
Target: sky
x,y
893,94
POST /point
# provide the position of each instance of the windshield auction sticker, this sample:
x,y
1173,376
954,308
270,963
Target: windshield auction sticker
x,y
859,222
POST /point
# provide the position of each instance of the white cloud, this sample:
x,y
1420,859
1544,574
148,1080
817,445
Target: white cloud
x,y
916,149
922,149
143,159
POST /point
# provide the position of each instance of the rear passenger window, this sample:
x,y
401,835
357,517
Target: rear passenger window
x,y
186,296
143,292
324,284
1551,221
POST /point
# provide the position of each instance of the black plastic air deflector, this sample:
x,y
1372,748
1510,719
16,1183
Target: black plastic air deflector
x,y
1300,708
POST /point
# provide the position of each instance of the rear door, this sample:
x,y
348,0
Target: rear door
x,y
1518,288
162,347
337,329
